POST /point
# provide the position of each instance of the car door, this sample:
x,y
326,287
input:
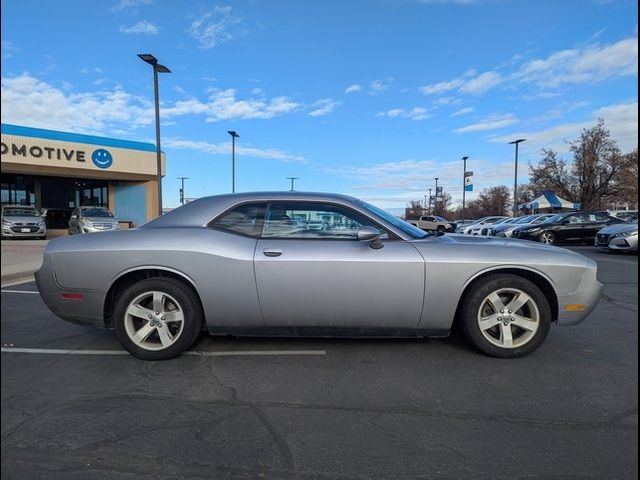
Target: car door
x,y
570,227
309,277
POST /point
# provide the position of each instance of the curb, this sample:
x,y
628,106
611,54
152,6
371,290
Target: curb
x,y
16,279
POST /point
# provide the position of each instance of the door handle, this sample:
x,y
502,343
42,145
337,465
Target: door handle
x,y
272,252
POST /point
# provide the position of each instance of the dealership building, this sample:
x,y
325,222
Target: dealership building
x,y
60,170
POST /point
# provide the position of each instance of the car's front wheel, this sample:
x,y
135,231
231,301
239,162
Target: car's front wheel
x,y
547,237
157,318
505,316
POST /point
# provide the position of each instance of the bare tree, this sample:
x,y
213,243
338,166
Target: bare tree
x,y
413,210
593,177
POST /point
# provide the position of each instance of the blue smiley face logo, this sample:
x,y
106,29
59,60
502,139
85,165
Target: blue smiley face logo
x,y
102,158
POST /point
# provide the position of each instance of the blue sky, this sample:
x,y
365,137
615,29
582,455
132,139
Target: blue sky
x,y
371,98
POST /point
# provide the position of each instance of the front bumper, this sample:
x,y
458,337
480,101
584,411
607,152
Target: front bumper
x,y
588,294
624,243
88,311
16,231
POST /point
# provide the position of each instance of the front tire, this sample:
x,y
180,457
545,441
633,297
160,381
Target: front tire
x,y
157,318
547,237
505,316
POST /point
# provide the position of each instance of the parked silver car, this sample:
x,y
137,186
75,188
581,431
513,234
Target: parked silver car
x,y
245,264
91,220
620,237
20,221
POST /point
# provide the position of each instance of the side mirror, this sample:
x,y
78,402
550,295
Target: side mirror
x,y
371,235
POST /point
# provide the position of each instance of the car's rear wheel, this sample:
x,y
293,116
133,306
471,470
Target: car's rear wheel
x,y
440,229
547,237
505,316
157,318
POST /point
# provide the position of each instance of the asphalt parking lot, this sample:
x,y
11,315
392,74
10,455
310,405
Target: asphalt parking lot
x,y
75,406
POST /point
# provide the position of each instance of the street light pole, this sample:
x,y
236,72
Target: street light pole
x,y
424,205
435,203
293,179
182,179
429,211
157,68
464,184
515,181
234,135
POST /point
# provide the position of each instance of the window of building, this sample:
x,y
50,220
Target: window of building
x,y
18,190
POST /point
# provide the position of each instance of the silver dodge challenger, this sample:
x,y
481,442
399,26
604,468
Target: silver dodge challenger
x,y
310,264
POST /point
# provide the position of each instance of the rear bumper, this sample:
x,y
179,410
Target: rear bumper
x,y
588,294
87,311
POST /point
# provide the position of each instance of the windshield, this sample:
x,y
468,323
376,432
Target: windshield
x,y
526,219
20,212
96,212
441,219
412,231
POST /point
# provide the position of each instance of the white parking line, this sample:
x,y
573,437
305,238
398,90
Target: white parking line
x,y
19,291
229,353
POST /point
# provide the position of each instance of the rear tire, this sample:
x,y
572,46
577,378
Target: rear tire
x,y
505,316
157,318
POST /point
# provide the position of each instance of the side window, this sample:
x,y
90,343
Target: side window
x,y
244,220
314,221
577,219
601,217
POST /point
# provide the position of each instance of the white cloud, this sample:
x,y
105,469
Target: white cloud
x,y
462,111
481,83
491,123
143,27
323,107
592,63
225,148
621,119
380,86
29,101
223,105
215,27
416,113
353,88
468,83
126,4
393,184
8,49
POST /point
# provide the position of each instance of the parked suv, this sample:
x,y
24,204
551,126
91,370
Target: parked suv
x,y
92,219
19,221
568,227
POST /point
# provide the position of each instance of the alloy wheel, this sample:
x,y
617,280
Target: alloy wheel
x,y
508,318
154,320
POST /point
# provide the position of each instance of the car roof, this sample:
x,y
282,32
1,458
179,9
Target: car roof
x,y
199,212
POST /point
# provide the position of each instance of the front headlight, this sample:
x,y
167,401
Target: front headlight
x,y
86,223
627,234
7,223
40,224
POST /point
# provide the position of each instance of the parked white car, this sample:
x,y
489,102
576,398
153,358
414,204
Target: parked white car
x,y
475,228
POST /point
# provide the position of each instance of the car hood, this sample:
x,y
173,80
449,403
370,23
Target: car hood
x,y
493,242
619,228
20,219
